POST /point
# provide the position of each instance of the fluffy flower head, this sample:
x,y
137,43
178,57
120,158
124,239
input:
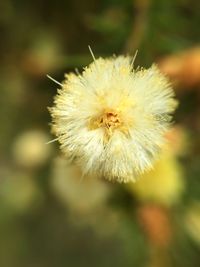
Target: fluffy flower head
x,y
111,119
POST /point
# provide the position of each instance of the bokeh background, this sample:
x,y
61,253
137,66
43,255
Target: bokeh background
x,y
49,216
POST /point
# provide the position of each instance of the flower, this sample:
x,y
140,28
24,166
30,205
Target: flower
x,y
80,195
30,149
164,184
111,119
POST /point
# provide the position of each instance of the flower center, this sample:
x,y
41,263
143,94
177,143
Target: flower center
x,y
109,120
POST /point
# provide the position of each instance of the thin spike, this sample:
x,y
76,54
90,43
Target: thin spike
x,y
91,52
134,57
51,141
48,76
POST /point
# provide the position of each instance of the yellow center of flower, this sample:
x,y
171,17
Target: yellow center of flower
x,y
109,120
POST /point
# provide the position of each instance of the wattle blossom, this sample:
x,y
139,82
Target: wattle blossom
x,y
111,120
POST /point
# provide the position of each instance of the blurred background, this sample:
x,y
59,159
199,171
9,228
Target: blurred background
x,y
48,217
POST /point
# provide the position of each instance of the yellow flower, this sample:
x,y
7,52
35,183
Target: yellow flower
x,y
111,119
164,184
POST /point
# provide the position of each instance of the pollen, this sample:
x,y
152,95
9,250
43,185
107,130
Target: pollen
x,y
109,120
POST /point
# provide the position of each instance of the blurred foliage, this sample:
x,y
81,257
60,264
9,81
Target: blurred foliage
x,y
49,215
